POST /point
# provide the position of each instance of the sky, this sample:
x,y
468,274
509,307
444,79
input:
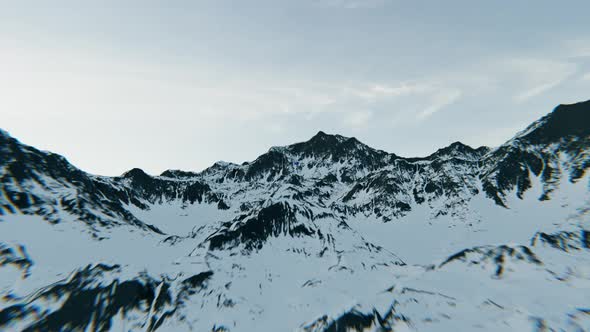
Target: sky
x,y
113,85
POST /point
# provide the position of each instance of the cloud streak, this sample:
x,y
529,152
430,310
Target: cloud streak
x,y
439,101
538,76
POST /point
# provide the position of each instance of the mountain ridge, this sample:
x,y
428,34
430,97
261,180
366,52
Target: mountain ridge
x,y
562,112
508,166
351,238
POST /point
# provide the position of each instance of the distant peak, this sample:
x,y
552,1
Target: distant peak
x,y
320,142
457,149
320,134
174,173
217,166
458,144
135,173
222,163
337,147
4,136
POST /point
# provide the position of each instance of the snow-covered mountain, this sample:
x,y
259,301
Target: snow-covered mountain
x,y
324,235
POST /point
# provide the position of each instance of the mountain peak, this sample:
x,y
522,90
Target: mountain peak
x,y
458,149
322,136
566,120
178,174
4,137
327,144
135,173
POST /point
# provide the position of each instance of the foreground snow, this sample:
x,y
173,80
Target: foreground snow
x,y
286,285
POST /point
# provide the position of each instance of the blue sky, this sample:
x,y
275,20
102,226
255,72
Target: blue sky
x,y
181,84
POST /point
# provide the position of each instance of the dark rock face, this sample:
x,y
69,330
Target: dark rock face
x,y
92,298
41,183
494,256
252,232
457,150
512,171
16,256
271,164
355,320
565,122
178,174
339,149
563,133
566,241
30,174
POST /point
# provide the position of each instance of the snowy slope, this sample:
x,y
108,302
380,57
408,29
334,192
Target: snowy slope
x,y
323,235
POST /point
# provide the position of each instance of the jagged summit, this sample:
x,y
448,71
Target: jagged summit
x,y
459,149
4,133
178,174
7,141
135,173
322,135
565,121
322,145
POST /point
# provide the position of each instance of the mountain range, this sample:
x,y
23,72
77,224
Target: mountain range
x,y
323,235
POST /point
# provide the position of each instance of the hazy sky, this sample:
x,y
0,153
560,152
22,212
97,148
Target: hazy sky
x,y
114,85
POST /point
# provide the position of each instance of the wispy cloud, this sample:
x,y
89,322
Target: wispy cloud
x,y
439,101
374,92
536,90
538,75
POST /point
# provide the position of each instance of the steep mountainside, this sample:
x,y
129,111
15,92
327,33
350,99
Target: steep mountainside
x,y
324,235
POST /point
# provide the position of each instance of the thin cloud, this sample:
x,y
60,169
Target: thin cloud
x,y
539,75
440,101
537,90
377,91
